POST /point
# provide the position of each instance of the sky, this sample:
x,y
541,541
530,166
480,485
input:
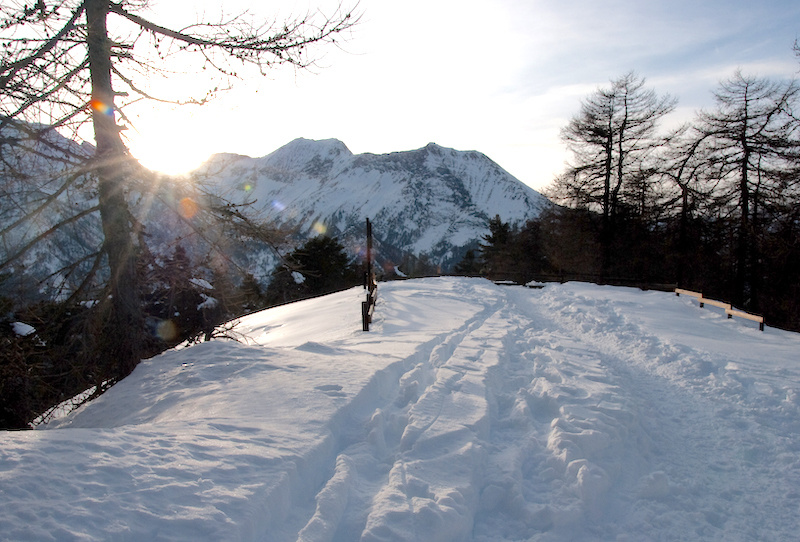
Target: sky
x,y
498,76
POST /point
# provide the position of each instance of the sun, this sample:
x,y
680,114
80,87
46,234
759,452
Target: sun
x,y
167,154
170,140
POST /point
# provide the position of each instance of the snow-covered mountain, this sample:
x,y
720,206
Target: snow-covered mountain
x,y
434,201
470,412
43,183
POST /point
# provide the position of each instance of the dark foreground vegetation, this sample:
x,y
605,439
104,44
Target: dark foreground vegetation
x,y
57,357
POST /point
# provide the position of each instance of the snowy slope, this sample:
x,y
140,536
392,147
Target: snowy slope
x,y
470,412
433,200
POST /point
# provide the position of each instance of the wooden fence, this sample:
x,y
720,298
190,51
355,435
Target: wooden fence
x,y
729,310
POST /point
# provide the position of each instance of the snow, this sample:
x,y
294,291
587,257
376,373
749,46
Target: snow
x,y
470,412
208,302
201,283
419,201
22,329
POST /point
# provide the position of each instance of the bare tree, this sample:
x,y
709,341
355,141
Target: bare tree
x,y
612,140
685,190
66,65
754,154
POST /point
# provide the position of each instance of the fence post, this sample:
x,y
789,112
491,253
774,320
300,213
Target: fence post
x,y
370,284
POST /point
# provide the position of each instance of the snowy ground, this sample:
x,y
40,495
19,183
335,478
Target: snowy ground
x,y
470,412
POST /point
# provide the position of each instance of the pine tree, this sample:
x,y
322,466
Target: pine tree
x,y
496,249
320,266
613,140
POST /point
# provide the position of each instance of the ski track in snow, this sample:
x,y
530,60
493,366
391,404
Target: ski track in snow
x,y
717,447
579,425
470,412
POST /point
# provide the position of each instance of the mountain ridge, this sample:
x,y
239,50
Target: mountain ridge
x,y
434,200
428,206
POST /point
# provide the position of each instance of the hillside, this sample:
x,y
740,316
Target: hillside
x,y
434,201
470,412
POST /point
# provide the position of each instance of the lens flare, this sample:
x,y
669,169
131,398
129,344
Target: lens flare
x,y
320,228
102,107
166,330
277,205
187,207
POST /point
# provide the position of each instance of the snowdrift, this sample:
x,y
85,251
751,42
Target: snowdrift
x,y
470,412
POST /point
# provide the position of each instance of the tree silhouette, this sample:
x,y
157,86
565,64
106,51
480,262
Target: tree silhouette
x,y
496,249
754,154
64,67
613,139
320,266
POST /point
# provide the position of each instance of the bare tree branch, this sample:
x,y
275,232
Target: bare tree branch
x,y
8,72
36,240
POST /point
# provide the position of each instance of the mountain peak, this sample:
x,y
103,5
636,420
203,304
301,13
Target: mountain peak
x,y
315,147
435,149
434,200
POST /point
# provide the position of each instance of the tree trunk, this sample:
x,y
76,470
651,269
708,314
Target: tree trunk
x,y
683,238
606,235
756,238
740,294
122,326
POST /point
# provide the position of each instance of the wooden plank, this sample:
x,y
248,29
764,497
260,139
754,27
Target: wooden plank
x,y
719,304
679,291
745,315
370,284
372,298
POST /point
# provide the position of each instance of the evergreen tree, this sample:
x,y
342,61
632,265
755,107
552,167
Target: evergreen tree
x,y
470,265
320,266
496,249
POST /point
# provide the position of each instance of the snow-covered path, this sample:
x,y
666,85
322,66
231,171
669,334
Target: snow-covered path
x,y
673,425
470,412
